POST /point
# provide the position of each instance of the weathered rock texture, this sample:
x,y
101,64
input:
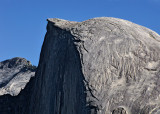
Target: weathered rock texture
x,y
99,66
14,75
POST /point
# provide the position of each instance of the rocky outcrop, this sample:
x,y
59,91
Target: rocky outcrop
x,y
14,75
99,66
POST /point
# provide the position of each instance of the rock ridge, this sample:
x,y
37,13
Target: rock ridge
x,y
15,73
16,82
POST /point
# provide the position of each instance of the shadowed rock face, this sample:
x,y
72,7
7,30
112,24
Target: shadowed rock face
x,y
15,73
99,66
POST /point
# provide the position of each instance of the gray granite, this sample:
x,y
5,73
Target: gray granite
x,y
99,66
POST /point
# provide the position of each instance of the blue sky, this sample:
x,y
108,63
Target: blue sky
x,y
23,22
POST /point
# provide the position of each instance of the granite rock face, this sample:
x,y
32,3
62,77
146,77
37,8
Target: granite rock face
x,y
99,66
15,74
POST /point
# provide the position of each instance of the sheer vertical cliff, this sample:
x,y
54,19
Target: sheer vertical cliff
x,y
99,66
59,81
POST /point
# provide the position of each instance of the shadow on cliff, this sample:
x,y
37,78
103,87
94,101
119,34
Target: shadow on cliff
x,y
59,86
